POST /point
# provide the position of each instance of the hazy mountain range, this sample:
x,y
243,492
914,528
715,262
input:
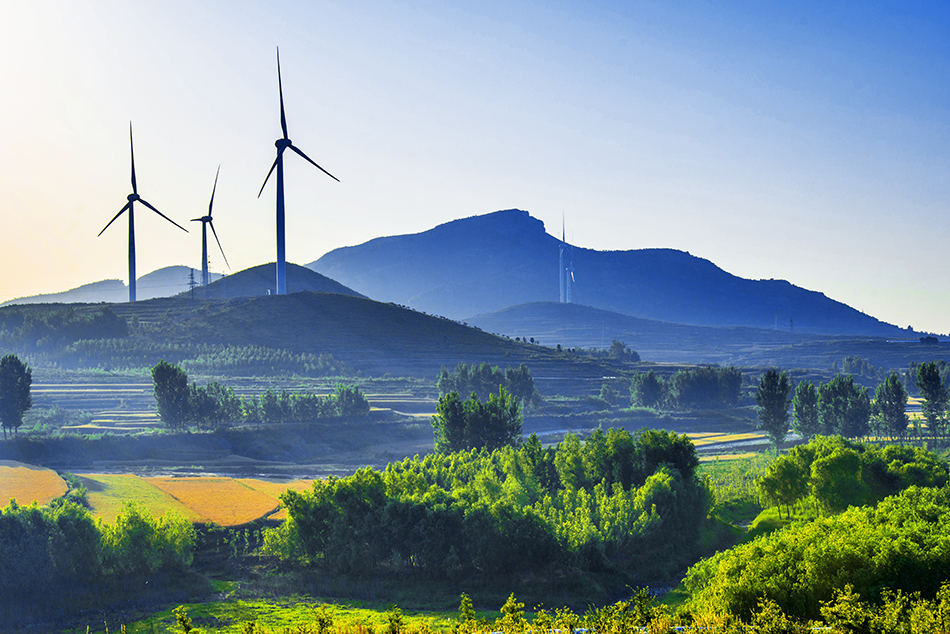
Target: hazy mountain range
x,y
468,268
486,263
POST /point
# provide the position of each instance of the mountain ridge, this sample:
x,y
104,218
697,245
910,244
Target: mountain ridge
x,y
485,263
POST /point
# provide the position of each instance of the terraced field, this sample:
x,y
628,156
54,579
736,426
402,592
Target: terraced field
x,y
27,483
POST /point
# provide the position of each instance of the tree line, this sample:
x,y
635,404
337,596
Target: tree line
x,y
841,407
706,387
215,405
616,504
58,553
483,380
29,329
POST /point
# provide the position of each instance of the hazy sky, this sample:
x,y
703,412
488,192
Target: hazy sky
x,y
806,141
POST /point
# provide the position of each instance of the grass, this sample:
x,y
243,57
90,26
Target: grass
x,y
222,501
108,493
27,483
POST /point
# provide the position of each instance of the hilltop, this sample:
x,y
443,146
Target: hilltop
x,y
163,282
260,280
486,263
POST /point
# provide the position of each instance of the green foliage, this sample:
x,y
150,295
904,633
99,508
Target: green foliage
x,y
459,426
215,405
805,417
902,544
935,395
772,398
32,329
844,408
890,407
484,380
614,502
16,378
836,473
172,395
138,544
705,387
647,389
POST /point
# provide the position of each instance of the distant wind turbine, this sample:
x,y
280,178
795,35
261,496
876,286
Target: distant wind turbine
x,y
282,144
205,223
570,277
134,196
560,264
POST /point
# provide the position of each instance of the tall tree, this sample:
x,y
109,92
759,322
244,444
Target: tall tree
x,y
805,410
472,424
843,407
172,394
773,400
647,389
16,378
890,403
934,391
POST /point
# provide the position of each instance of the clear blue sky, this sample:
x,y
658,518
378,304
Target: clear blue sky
x,y
806,141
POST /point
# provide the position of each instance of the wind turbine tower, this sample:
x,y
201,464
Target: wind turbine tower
x,y
561,271
282,144
205,223
129,206
569,277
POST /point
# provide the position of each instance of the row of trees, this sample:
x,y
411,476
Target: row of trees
x,y
842,407
615,502
483,380
706,387
213,405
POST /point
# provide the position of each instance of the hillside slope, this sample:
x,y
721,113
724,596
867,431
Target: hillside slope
x,y
485,263
261,280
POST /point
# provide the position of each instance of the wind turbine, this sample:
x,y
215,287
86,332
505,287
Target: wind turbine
x,y
282,144
561,280
134,196
570,277
205,222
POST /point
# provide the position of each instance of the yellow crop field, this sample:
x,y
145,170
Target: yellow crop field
x,y
274,488
109,492
223,501
27,483
709,440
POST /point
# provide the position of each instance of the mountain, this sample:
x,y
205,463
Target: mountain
x,y
163,282
261,280
485,263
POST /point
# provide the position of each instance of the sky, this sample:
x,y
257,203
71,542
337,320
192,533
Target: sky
x,y
805,141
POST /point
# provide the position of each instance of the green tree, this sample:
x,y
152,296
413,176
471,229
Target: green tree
x,y
172,394
647,389
805,420
934,391
785,483
772,398
843,407
16,378
472,424
890,403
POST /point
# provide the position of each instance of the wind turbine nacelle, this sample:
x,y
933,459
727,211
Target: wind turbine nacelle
x,y
133,197
282,143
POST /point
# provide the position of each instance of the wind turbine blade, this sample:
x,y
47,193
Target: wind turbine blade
x,y
295,149
280,87
197,219
214,189
114,217
211,224
146,203
269,173
135,189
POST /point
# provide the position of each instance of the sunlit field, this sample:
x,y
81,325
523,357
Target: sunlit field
x,y
27,483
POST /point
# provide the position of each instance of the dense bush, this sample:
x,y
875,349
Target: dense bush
x,y
834,473
902,544
471,424
32,329
615,502
50,550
